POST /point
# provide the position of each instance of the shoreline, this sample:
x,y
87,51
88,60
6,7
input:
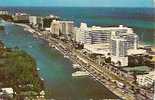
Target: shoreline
x,y
58,47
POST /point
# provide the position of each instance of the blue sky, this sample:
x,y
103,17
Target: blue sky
x,y
80,3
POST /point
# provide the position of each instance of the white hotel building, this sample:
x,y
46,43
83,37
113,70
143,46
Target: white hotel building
x,y
35,20
97,41
103,40
55,27
119,51
66,27
79,33
62,27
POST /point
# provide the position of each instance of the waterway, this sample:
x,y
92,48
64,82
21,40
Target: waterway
x,y
54,68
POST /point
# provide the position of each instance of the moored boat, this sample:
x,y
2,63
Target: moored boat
x,y
80,73
76,66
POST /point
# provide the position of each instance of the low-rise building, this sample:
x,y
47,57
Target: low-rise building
x,y
136,52
7,91
102,49
146,79
21,18
4,12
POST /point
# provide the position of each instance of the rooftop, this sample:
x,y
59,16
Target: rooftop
x,y
8,90
136,51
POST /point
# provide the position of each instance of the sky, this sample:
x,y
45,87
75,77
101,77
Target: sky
x,y
79,3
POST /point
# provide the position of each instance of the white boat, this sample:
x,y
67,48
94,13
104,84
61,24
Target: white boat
x,y
38,69
56,48
53,46
80,73
42,79
65,56
76,66
25,29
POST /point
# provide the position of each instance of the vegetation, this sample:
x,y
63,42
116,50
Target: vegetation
x,y
1,28
18,70
141,60
47,21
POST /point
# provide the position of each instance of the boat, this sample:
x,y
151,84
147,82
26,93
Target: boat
x,y
56,48
30,46
76,66
80,73
38,69
25,29
12,23
65,56
53,46
42,79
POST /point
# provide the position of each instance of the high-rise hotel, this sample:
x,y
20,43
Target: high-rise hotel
x,y
63,28
108,40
